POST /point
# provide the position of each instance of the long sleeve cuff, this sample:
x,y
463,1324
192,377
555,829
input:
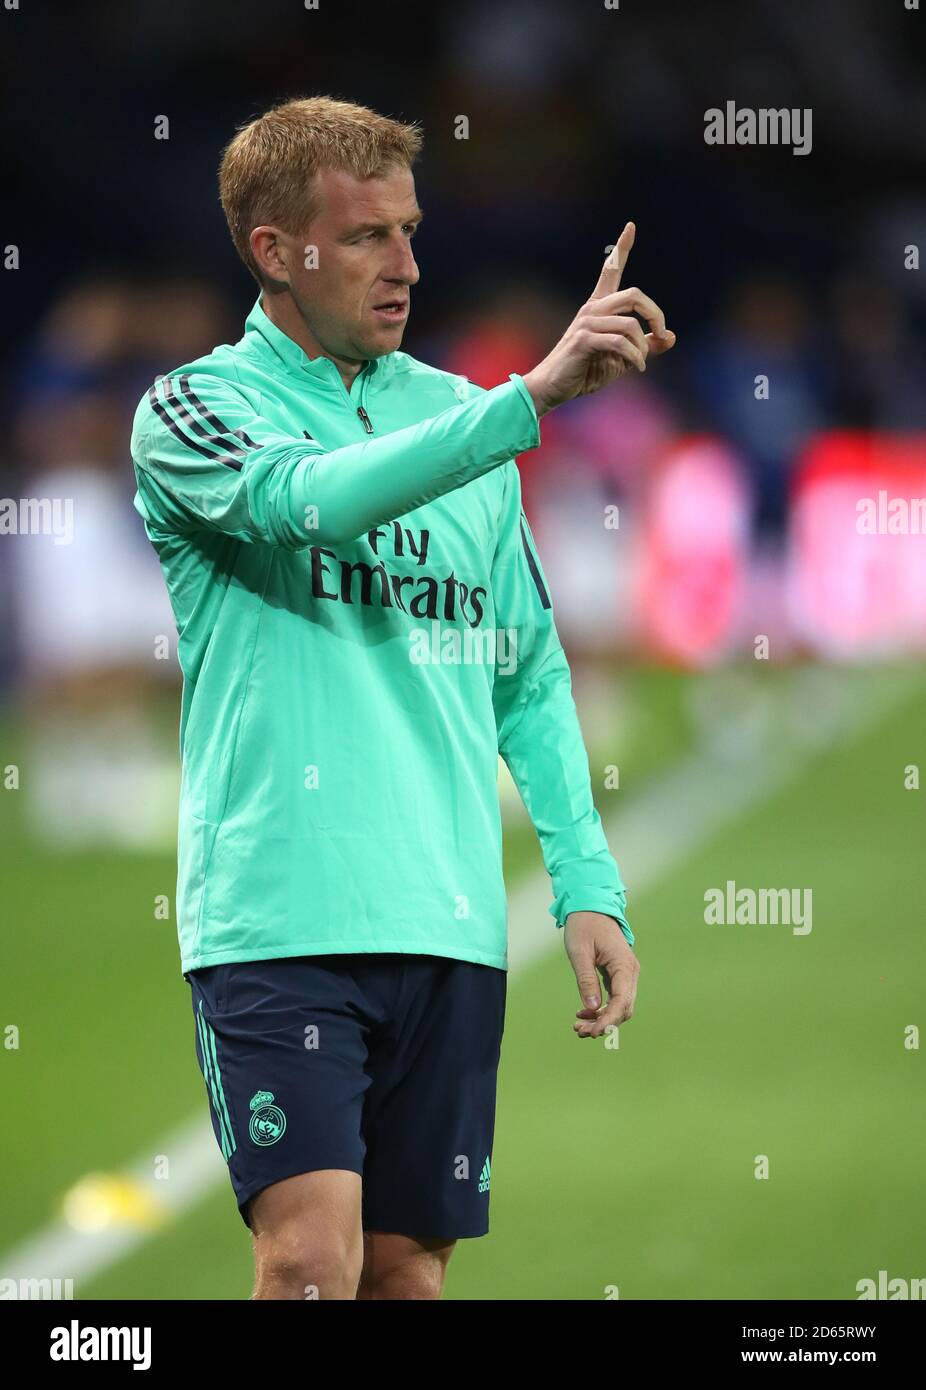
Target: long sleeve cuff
x,y
609,901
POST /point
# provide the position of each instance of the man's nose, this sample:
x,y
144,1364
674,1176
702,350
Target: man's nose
x,y
401,264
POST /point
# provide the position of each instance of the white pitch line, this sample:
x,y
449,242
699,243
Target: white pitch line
x,y
61,1252
742,762
739,765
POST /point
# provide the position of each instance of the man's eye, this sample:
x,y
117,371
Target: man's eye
x,y
410,227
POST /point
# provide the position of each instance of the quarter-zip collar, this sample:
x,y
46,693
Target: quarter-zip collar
x,y
261,335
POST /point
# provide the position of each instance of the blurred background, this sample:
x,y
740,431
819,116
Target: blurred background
x,y
746,652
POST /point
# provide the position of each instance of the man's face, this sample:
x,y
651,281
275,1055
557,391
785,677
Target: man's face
x,y
363,232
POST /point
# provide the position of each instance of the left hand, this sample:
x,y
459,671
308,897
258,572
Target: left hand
x,y
596,945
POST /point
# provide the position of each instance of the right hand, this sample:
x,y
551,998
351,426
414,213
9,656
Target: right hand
x,y
604,340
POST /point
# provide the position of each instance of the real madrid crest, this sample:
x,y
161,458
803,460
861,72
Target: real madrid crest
x,y
268,1123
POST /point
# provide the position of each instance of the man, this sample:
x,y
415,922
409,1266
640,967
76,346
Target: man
x,y
339,526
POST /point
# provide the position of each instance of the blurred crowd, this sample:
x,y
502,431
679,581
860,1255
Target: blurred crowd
x,y
846,357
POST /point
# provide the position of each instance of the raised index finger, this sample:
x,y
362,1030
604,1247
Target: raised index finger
x,y
610,278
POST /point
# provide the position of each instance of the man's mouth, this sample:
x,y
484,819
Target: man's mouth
x,y
392,310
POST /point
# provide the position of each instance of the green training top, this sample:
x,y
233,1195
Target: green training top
x,y
363,626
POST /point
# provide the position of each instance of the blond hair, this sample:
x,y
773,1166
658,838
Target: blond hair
x,y
267,171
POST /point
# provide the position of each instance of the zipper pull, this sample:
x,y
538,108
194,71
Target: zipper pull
x,y
367,425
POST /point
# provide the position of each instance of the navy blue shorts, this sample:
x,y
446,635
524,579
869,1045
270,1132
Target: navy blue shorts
x,y
382,1064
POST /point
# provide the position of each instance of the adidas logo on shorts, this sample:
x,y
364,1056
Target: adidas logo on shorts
x,y
485,1177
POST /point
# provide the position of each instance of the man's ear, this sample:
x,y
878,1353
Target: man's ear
x,y
269,252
